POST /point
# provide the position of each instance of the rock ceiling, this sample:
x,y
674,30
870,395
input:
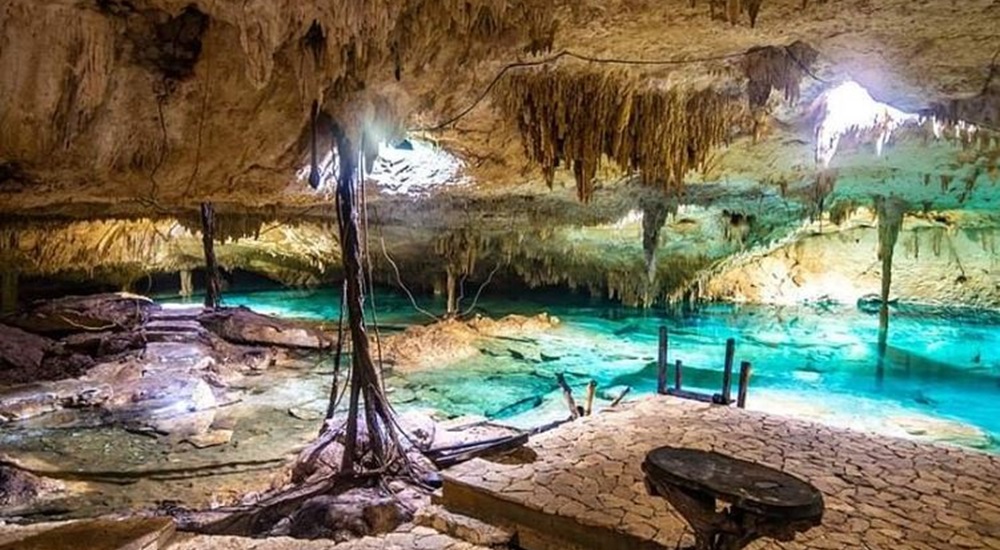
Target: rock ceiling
x,y
141,109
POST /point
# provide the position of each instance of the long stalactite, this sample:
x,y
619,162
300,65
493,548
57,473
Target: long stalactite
x,y
576,118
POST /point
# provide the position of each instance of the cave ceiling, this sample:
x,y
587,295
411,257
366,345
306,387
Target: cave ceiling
x,y
137,109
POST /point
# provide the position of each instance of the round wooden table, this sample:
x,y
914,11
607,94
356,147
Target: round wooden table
x,y
762,501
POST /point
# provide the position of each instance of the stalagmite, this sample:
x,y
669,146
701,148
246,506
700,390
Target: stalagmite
x,y
213,285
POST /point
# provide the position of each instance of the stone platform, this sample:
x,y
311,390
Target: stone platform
x,y
580,486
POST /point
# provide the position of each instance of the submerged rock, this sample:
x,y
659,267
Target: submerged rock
x,y
444,343
243,326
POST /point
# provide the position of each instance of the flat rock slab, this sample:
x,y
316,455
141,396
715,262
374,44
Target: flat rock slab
x,y
129,534
175,325
242,326
167,314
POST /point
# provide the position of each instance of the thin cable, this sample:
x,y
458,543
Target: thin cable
x,y
399,279
475,300
567,53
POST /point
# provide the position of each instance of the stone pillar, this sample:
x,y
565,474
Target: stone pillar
x,y
187,283
8,296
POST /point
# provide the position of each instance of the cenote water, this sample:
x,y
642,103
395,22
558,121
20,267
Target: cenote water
x,y
940,376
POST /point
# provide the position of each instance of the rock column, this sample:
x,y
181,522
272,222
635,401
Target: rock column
x,y
187,283
8,296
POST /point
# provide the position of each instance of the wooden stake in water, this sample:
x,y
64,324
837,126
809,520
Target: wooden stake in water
x,y
741,396
567,395
661,362
591,390
677,374
727,372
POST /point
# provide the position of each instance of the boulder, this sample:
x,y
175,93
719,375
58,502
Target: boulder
x,y
352,514
17,487
242,326
97,312
22,350
103,343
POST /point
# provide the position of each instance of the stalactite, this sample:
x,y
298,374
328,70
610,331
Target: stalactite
x,y
779,68
576,118
654,216
890,212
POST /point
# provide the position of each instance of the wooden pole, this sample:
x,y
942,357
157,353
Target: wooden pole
x,y
8,295
591,391
212,283
727,372
451,284
741,396
568,395
677,374
661,362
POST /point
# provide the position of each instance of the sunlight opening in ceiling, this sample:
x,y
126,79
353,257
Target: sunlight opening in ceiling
x,y
413,166
850,109
409,166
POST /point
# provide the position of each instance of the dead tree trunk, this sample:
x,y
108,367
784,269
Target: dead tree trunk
x,y
212,279
378,446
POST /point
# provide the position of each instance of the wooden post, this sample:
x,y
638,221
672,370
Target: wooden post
x,y
591,390
8,296
677,374
187,283
741,396
568,395
451,284
661,362
727,372
212,285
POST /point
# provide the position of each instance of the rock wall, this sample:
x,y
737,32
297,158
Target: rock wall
x,y
931,265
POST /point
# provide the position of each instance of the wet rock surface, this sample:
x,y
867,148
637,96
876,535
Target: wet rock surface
x,y
442,343
73,314
243,326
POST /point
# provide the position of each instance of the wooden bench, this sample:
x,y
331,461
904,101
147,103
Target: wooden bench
x,y
762,501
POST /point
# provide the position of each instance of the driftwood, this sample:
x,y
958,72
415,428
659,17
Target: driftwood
x,y
567,395
621,396
443,457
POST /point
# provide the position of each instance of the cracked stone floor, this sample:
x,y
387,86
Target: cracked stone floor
x,y
880,492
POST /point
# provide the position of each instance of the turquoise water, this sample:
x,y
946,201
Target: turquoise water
x,y
818,362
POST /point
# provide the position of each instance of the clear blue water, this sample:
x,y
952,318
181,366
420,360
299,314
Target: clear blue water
x,y
817,361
